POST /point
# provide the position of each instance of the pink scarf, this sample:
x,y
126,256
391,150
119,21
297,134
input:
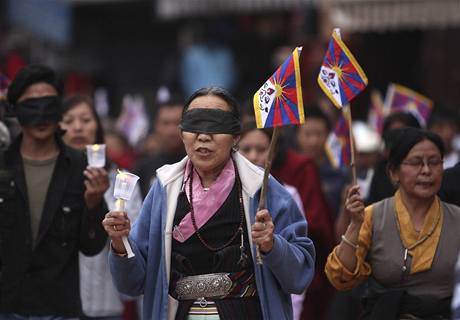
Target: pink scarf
x,y
205,203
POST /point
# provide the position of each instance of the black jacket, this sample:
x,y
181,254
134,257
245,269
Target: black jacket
x,y
450,188
147,167
44,279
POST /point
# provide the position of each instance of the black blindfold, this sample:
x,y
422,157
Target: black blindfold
x,y
205,120
38,111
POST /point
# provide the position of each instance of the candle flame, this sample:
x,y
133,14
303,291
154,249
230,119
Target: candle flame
x,y
95,147
121,175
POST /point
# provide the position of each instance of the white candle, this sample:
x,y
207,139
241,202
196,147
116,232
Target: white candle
x,y
96,155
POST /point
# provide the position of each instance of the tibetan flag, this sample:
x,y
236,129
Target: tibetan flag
x,y
279,101
340,77
132,122
400,98
337,147
377,113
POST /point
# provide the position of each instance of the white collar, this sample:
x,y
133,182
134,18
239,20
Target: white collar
x,y
251,175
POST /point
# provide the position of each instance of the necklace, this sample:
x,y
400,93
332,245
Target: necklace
x,y
243,255
417,243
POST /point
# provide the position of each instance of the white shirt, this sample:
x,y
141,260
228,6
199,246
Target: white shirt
x,y
99,297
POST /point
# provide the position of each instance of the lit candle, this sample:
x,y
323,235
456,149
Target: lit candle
x,y
124,186
96,155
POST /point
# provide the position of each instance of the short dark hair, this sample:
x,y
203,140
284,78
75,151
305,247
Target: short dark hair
x,y
29,75
407,119
315,112
218,92
443,115
173,102
75,100
405,140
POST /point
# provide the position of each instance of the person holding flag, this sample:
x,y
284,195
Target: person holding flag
x,y
194,241
279,103
342,79
404,246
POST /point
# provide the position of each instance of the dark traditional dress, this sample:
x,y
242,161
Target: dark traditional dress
x,y
193,258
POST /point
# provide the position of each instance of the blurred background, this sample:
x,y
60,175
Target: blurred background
x,y
136,56
116,47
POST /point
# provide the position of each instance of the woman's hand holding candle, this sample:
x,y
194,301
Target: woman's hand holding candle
x,y
96,183
117,226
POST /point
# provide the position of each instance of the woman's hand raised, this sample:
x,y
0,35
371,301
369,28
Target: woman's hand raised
x,y
354,205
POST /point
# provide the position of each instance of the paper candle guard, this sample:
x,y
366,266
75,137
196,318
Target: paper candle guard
x,y
124,187
96,155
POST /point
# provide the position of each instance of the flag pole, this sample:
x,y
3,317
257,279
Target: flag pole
x,y
347,114
263,191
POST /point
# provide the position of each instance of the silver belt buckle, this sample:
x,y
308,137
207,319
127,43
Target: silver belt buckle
x,y
203,286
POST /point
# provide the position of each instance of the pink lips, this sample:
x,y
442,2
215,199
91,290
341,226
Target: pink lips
x,y
79,140
203,151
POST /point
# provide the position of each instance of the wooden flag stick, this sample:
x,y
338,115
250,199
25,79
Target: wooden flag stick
x,y
263,191
347,114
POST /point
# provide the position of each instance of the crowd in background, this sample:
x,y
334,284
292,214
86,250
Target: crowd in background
x,y
301,164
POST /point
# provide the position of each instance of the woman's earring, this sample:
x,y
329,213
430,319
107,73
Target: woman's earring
x,y
235,148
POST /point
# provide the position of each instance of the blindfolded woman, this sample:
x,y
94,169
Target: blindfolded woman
x,y
195,239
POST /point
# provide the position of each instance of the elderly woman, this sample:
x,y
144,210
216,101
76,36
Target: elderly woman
x,y
406,245
195,239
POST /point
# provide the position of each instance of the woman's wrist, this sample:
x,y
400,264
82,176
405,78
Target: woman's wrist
x,y
118,250
354,226
349,242
351,235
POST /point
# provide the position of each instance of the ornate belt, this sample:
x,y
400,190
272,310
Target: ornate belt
x,y
203,286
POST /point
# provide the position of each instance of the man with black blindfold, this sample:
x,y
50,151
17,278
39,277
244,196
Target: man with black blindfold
x,y
49,211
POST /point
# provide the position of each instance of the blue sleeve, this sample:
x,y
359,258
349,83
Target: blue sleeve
x,y
128,274
292,259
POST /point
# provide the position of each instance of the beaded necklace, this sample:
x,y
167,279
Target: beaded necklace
x,y
243,256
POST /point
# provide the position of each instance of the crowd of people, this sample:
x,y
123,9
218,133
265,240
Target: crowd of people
x,y
385,247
